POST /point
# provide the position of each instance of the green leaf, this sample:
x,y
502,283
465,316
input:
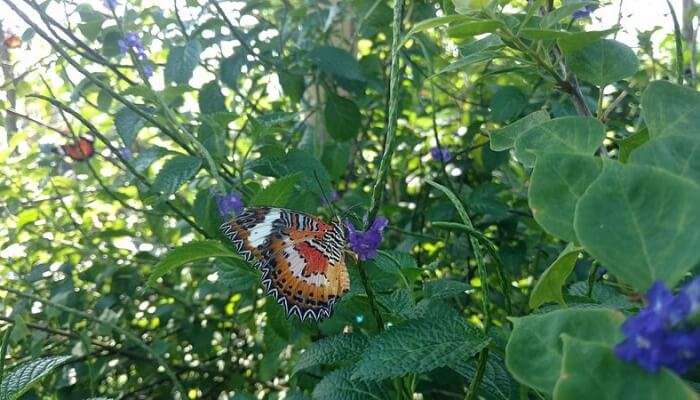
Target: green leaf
x,y
212,135
678,154
292,85
210,98
669,109
473,28
504,138
310,167
335,158
558,180
468,6
110,42
230,69
278,193
641,223
578,40
399,303
445,288
431,23
591,371
338,385
128,124
467,61
548,287
236,275
628,144
534,349
175,172
496,383
573,135
338,62
24,376
343,118
417,346
603,62
507,103
332,350
563,12
543,34
182,60
187,253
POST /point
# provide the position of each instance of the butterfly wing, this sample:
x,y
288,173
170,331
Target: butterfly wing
x,y
300,256
79,151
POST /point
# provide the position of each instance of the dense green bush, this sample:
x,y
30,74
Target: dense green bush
x,y
538,177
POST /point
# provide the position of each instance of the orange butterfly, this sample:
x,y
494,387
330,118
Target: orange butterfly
x,y
81,150
302,258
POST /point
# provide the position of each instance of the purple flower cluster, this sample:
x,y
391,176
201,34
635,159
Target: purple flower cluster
x,y
441,154
229,204
662,334
132,42
365,244
584,12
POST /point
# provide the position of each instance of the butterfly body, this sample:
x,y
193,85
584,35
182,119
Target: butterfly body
x,y
302,258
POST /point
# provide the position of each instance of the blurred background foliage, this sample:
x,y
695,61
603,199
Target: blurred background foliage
x,y
257,97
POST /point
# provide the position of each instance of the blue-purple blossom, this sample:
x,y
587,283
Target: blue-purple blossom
x,y
584,12
365,244
661,334
125,153
441,154
111,4
229,204
131,41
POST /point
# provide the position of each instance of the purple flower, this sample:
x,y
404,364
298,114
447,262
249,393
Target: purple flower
x,y
365,244
660,335
111,4
441,154
125,153
584,12
229,204
148,70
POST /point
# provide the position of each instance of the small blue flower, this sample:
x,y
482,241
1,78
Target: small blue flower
x,y
441,154
365,244
229,204
125,153
148,70
111,4
660,334
584,12
359,318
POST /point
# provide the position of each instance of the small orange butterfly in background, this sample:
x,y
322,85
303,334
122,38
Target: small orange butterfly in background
x,y
12,41
302,258
81,150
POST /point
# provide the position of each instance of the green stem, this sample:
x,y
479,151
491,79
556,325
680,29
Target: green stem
x,y
135,339
378,189
483,277
3,349
591,279
480,368
679,43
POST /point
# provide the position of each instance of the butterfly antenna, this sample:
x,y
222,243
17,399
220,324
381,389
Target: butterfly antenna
x,y
347,212
323,194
